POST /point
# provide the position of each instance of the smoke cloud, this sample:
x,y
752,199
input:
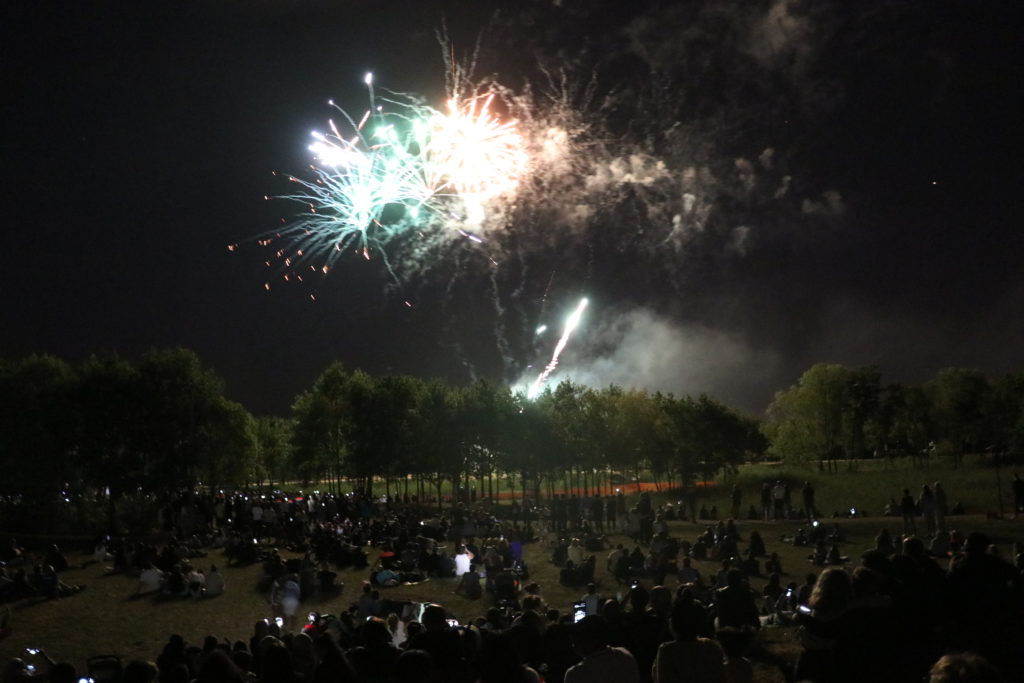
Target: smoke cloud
x,y
641,349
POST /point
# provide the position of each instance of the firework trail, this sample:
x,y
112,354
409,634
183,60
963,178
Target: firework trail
x,y
570,324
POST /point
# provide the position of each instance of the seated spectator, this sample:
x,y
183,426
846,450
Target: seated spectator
x,y
688,574
689,657
772,591
939,545
735,603
376,657
500,662
757,548
575,552
750,566
773,565
196,580
138,671
218,667
470,586
56,559
592,599
12,553
829,603
214,582
735,642
965,667
601,662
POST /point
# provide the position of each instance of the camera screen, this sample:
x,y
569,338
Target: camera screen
x,y
579,611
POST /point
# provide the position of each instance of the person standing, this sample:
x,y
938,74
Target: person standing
x,y
737,501
808,495
1018,494
926,505
941,508
908,509
778,499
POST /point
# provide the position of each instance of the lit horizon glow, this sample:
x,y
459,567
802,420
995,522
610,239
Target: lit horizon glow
x,y
571,323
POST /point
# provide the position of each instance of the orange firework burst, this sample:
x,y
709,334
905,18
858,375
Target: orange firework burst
x,y
472,152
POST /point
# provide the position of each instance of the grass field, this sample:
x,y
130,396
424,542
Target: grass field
x,y
106,619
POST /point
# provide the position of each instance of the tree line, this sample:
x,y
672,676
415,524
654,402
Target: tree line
x,y
163,422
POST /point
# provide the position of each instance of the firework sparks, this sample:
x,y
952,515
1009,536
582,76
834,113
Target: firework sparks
x,y
416,160
472,152
571,323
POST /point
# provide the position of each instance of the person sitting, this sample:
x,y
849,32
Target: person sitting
x,y
214,582
757,548
470,586
325,578
735,603
150,580
701,658
883,543
833,555
12,553
575,552
56,559
735,642
689,574
196,580
772,591
600,661
750,565
773,565
636,562
820,554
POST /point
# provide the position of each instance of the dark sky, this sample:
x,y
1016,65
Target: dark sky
x,y
853,173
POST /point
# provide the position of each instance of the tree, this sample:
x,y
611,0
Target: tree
x,y
36,426
179,396
322,422
437,435
1007,413
273,459
960,400
110,428
823,415
227,444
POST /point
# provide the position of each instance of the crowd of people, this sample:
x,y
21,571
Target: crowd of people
x,y
893,612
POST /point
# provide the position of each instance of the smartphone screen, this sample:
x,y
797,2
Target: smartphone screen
x,y
280,622
579,611
453,622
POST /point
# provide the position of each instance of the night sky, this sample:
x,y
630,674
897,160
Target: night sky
x,y
856,190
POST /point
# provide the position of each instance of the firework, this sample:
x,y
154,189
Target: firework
x,y
570,324
472,152
415,160
355,181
